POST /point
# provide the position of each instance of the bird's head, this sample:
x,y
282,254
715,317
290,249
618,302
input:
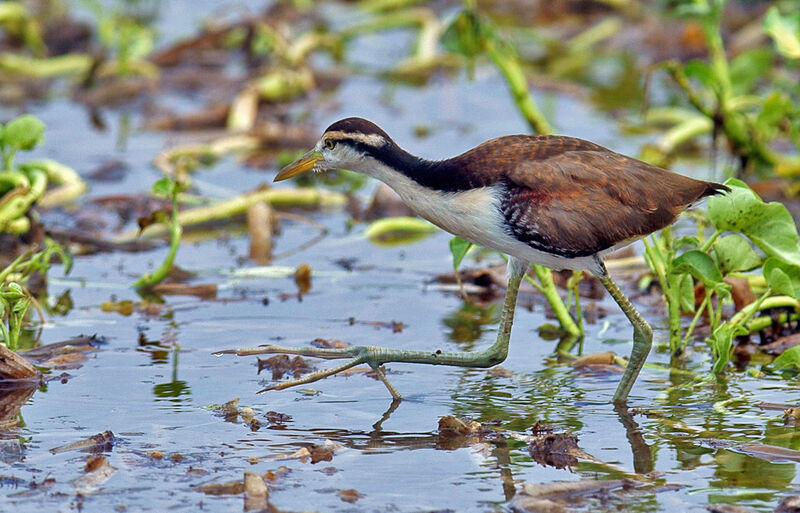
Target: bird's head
x,y
351,143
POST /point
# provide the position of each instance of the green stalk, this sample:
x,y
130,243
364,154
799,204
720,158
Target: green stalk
x,y
509,66
157,276
692,325
550,293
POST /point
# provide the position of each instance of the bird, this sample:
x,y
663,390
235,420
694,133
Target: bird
x,y
557,201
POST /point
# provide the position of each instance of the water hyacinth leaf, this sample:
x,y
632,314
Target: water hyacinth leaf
x,y
782,277
458,248
701,266
735,254
398,230
769,225
721,342
750,67
788,359
686,289
701,72
24,132
785,31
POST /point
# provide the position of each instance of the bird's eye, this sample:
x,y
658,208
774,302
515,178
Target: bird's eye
x,y
330,144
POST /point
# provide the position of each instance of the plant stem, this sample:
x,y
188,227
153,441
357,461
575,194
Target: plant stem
x,y
550,293
157,276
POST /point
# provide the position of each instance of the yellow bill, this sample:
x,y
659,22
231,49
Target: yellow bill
x,y
301,165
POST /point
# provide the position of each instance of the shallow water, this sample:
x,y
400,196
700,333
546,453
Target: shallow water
x,y
157,397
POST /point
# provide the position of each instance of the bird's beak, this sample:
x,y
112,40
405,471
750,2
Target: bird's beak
x,y
305,163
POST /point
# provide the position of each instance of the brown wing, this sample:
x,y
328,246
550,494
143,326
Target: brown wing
x,y
574,198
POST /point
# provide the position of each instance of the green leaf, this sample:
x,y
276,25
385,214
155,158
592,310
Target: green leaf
x,y
785,31
769,225
686,293
750,67
700,71
735,254
782,277
24,132
699,265
164,187
788,359
721,342
398,230
458,248
465,35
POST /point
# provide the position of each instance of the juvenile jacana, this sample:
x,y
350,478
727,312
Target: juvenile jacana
x,y
556,201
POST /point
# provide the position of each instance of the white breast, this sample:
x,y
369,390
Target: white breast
x,y
475,216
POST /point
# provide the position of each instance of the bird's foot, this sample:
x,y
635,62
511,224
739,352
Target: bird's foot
x,y
372,356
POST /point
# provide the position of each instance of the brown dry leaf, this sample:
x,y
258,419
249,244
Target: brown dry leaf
x,y
155,455
729,508
255,492
781,344
212,117
329,343
230,488
606,358
124,307
14,366
260,226
229,409
791,414
302,278
323,452
542,498
450,426
274,417
740,291
769,452
500,372
350,495
204,291
98,471
97,443
559,450
65,361
302,454
790,504
281,364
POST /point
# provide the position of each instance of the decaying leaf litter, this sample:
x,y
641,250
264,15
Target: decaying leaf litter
x,y
135,86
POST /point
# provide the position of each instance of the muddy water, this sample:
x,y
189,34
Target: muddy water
x,y
154,379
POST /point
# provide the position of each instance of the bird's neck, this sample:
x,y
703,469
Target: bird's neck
x,y
393,166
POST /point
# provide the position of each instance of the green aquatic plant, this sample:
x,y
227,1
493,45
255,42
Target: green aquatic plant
x,y
15,298
24,184
165,187
749,99
750,239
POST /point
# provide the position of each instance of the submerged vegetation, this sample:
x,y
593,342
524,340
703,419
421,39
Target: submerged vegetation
x,y
119,99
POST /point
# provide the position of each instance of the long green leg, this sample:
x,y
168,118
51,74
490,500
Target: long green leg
x,y
376,356
642,339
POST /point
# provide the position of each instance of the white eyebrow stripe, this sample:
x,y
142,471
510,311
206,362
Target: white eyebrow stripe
x,y
368,139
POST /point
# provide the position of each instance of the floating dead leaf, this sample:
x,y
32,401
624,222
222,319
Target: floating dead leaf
x,y
204,291
559,450
791,415
606,358
125,307
789,504
196,471
155,455
65,361
450,427
260,226
769,452
329,343
302,454
500,372
98,471
230,488
281,364
255,492
80,344
176,457
539,428
211,117
729,508
544,497
350,495
323,452
247,414
781,344
274,417
228,410
96,443
302,278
